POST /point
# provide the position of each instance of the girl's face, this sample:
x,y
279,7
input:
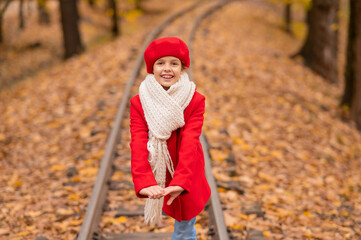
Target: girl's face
x,y
167,71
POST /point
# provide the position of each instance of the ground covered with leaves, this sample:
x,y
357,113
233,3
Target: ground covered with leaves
x,y
53,131
274,128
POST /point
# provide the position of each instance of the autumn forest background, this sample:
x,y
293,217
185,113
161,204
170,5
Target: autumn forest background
x,y
282,79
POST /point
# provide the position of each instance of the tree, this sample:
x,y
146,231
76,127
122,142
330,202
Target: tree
x,y
352,92
287,16
114,16
91,3
44,17
21,15
69,22
138,4
3,6
320,48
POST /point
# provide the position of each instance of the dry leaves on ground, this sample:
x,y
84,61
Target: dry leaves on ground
x,y
275,127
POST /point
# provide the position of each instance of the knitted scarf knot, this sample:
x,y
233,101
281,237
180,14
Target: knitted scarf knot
x,y
163,111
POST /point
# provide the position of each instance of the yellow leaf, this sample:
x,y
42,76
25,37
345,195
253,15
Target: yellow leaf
x,y
308,214
133,15
88,161
75,179
297,108
73,197
198,227
236,226
273,200
218,154
253,160
2,137
262,149
21,234
305,157
108,220
344,213
33,213
243,216
266,234
216,123
221,190
117,175
169,228
63,211
121,219
245,147
267,177
307,235
17,183
58,167
30,228
334,26
76,222
280,100
237,140
276,154
92,171
265,187
54,124
283,213
98,154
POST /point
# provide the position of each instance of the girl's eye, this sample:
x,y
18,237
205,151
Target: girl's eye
x,y
159,63
175,64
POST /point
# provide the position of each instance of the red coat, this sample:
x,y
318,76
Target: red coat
x,y
187,155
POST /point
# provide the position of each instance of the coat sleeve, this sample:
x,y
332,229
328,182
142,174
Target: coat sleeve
x,y
189,159
141,170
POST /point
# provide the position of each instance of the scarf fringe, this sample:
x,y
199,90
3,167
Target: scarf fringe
x,y
152,215
158,151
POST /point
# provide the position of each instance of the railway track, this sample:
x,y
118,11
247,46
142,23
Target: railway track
x,y
114,212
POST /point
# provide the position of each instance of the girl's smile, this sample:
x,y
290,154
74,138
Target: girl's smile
x,y
167,76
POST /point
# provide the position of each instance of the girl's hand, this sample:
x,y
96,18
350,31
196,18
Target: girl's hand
x,y
174,192
153,192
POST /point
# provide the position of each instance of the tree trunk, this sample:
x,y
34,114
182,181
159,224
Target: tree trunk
x,y
115,28
138,5
320,48
44,17
3,6
353,69
349,71
288,17
1,30
91,3
21,15
71,35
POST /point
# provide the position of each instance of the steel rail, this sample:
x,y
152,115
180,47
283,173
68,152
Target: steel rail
x,y
95,207
216,212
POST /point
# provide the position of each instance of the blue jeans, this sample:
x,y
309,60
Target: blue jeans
x,y
185,230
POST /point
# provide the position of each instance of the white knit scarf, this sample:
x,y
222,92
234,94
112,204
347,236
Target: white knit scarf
x,y
163,110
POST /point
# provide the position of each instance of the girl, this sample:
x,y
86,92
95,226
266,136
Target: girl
x,y
166,121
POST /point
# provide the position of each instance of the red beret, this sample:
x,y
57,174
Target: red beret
x,y
168,46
